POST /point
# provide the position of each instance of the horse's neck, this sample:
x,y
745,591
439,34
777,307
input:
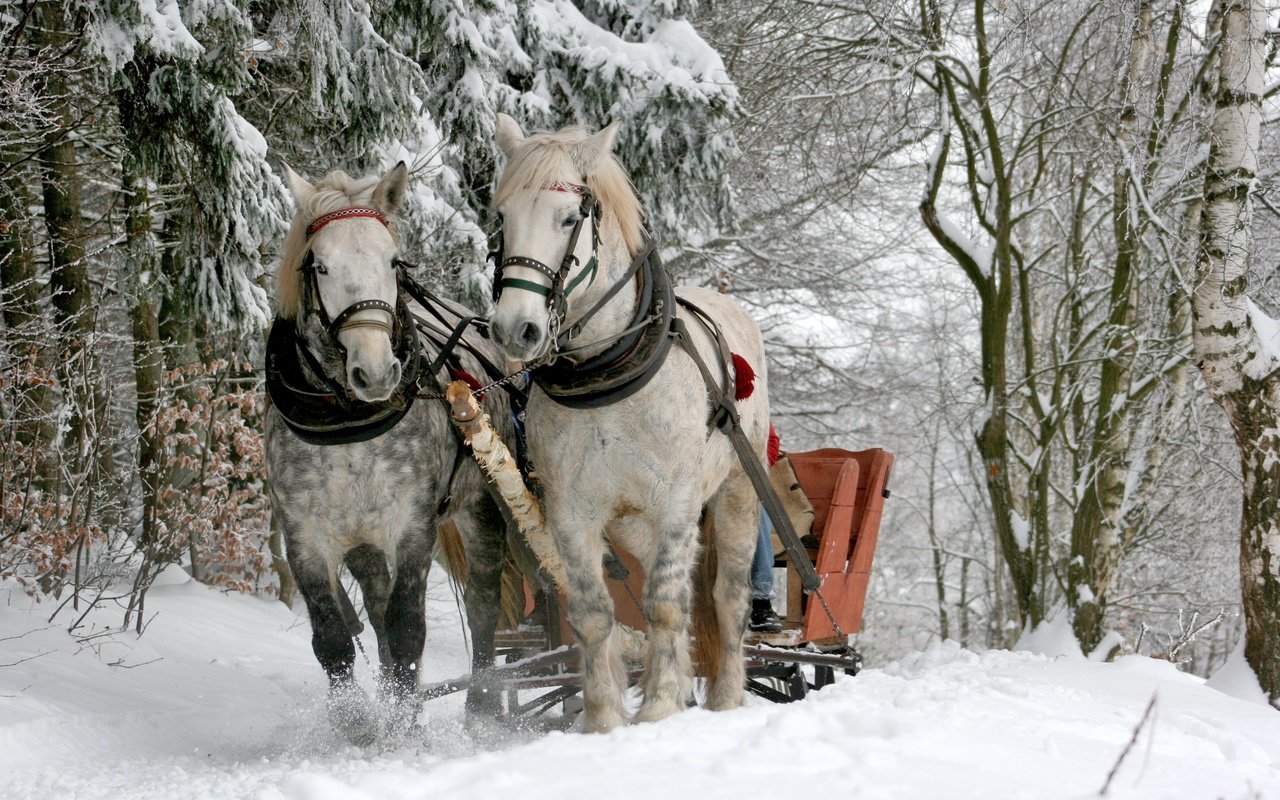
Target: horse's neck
x,y
600,332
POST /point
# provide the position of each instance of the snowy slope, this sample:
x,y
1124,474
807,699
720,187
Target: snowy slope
x,y
221,698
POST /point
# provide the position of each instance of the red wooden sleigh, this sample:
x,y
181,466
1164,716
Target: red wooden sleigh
x,y
847,491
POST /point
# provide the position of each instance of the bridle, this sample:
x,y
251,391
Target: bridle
x,y
310,269
557,293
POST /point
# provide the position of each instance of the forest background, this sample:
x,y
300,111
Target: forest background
x,y
972,232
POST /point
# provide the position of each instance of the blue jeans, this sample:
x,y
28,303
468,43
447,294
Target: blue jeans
x,y
762,564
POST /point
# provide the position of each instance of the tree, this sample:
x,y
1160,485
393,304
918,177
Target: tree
x,y
1237,346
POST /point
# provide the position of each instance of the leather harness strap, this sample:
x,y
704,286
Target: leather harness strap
x,y
724,416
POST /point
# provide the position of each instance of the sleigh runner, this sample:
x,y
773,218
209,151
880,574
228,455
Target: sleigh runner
x,y
836,497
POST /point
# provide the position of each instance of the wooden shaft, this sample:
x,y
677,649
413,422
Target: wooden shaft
x,y
499,465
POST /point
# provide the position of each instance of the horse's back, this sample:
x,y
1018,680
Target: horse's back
x,y
739,327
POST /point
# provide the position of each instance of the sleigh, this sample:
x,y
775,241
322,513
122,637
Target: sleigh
x,y
538,666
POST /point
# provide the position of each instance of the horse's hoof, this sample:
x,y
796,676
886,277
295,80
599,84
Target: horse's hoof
x,y
602,721
402,715
484,702
351,716
660,709
726,702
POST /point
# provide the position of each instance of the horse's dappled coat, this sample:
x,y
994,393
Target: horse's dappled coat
x,y
374,505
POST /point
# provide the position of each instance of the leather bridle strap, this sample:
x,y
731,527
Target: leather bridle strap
x,y
534,264
343,321
346,213
557,292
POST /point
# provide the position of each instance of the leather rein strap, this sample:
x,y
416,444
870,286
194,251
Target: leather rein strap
x,y
312,269
635,356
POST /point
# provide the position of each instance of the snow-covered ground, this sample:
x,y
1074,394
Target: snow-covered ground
x,y
222,698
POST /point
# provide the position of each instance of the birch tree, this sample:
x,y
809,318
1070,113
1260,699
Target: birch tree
x,y
1237,346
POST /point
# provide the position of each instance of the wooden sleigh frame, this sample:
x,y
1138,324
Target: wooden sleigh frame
x,y
847,490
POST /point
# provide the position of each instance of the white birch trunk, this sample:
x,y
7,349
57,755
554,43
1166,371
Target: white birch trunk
x,y
1242,375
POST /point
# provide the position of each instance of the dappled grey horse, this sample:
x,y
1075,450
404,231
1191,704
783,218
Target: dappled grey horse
x,y
360,473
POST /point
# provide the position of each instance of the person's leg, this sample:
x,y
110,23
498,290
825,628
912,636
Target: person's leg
x,y
762,565
763,618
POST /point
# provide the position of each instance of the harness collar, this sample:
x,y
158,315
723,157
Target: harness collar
x,y
316,407
628,365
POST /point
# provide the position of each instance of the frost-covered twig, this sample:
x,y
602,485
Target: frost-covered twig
x,y
1132,740
1188,633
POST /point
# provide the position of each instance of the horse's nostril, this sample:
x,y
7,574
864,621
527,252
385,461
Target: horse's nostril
x,y
528,334
393,376
358,379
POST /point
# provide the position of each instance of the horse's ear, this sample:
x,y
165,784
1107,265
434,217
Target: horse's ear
x,y
599,144
298,186
508,133
389,194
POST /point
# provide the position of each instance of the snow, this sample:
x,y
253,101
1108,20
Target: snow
x,y
160,28
1052,638
1236,678
221,698
1021,530
1268,331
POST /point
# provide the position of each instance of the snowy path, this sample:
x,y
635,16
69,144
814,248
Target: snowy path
x,y
222,700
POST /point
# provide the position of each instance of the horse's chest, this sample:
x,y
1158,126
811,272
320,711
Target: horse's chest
x,y
349,497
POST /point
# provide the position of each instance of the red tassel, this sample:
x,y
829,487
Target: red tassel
x,y
467,378
744,378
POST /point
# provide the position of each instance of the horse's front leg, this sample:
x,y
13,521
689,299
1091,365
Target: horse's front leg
x,y
590,613
331,642
406,619
668,676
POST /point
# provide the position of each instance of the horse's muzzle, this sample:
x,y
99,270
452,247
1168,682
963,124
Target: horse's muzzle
x,y
374,386
524,340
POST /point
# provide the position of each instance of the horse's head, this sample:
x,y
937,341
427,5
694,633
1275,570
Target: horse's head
x,y
339,281
556,195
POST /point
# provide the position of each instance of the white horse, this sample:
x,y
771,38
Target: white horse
x,y
639,465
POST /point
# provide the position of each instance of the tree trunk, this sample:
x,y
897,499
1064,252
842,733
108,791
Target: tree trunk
x,y
68,271
148,357
1241,371
994,284
1096,542
22,319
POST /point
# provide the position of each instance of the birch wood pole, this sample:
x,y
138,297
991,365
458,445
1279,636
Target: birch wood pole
x,y
499,465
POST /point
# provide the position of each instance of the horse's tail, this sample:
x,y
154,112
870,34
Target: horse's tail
x,y
706,623
511,596
452,554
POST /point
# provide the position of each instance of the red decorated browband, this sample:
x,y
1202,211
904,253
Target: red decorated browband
x,y
345,213
565,186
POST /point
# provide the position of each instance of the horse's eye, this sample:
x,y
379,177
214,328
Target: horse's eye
x,y
570,221
321,269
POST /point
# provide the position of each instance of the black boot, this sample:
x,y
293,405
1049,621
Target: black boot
x,y
763,618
